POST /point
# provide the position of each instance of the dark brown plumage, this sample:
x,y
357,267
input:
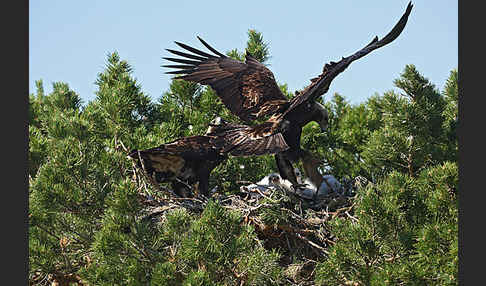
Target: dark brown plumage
x,y
182,162
249,90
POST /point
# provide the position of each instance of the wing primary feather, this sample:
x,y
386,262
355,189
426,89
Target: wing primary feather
x,y
199,76
375,39
183,61
193,50
398,28
243,88
203,79
180,72
210,48
186,55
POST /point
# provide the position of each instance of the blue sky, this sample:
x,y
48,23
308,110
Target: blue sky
x,y
69,40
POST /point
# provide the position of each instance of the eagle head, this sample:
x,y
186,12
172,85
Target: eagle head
x,y
214,124
274,179
217,121
298,174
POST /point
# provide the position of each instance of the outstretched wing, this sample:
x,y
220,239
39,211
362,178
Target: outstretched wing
x,y
243,140
250,141
320,85
248,89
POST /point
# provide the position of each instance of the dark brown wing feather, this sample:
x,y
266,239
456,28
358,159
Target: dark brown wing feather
x,y
192,147
248,89
320,85
244,140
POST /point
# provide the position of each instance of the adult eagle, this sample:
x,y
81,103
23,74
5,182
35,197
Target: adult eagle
x,y
186,162
249,90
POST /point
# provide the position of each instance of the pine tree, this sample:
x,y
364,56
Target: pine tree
x,y
83,166
451,116
90,220
412,137
405,229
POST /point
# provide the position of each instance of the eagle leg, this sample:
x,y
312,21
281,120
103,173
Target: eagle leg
x,y
286,169
204,184
181,189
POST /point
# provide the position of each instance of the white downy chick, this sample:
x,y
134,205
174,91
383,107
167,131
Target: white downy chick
x,y
267,182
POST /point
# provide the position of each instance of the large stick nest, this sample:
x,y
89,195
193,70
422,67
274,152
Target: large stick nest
x,y
297,227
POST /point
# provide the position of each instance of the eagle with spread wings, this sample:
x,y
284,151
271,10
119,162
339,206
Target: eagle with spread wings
x,y
249,90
